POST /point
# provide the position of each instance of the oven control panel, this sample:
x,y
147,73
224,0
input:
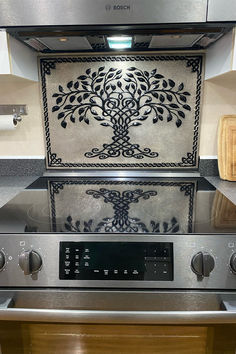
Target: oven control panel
x,y
116,261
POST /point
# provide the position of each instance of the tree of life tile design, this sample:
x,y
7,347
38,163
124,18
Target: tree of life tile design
x,y
121,106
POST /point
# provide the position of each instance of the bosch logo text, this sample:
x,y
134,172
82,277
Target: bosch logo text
x,y
117,7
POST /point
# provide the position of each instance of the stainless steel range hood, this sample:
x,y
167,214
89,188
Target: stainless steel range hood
x,y
85,24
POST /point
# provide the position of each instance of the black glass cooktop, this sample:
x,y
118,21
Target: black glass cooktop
x,y
119,205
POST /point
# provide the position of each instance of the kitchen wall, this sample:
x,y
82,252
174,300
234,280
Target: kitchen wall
x,y
27,140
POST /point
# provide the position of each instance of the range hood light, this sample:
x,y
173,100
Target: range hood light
x,y
63,39
119,42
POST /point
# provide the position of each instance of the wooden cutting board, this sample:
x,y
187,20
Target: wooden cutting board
x,y
227,147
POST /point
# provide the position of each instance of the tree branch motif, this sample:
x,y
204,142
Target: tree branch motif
x,y
121,105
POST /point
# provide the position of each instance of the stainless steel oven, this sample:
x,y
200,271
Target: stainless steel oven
x,y
125,249
135,250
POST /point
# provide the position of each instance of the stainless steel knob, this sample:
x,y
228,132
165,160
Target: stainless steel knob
x,y
30,262
233,262
2,260
202,264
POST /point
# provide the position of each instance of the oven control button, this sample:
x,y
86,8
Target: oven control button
x,y
30,262
233,262
202,264
2,260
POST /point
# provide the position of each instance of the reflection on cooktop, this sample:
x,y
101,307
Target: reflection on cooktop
x,y
121,206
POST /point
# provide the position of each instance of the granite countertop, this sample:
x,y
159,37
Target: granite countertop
x,y
10,186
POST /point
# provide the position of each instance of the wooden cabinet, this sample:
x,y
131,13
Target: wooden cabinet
x,y
51,338
38,338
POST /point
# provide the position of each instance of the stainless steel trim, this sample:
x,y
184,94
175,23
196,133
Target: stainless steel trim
x,y
133,307
18,109
118,300
217,11
118,317
229,305
104,173
6,302
100,12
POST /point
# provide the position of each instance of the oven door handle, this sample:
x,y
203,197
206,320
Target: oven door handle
x,y
117,317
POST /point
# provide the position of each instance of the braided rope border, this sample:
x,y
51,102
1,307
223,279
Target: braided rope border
x,y
193,61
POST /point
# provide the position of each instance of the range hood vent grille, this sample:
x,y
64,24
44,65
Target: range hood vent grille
x,y
174,41
65,44
146,39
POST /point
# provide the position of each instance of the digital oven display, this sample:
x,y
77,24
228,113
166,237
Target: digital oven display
x,y
116,261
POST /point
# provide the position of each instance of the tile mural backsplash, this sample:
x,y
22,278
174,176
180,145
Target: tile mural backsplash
x,y
122,111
